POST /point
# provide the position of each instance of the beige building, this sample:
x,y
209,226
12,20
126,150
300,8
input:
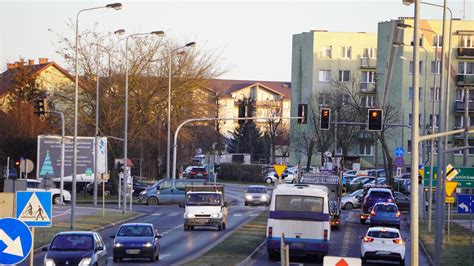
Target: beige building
x,y
319,58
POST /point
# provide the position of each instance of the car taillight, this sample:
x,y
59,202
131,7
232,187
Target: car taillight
x,y
193,173
398,241
325,234
270,232
372,213
398,214
390,200
368,239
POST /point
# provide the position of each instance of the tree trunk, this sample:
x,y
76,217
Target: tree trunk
x,y
310,154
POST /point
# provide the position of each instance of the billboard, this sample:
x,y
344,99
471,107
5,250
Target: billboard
x,y
49,158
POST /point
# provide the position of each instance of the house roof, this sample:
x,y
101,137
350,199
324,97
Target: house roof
x,y
7,77
226,87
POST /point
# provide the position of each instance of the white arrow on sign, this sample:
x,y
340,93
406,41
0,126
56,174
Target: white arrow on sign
x,y
13,246
464,206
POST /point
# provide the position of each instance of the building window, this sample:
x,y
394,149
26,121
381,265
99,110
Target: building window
x,y
365,149
344,75
324,75
436,118
460,96
323,100
437,41
410,94
410,119
421,67
369,52
325,52
458,121
432,94
367,101
435,68
368,77
409,146
338,151
346,52
466,68
467,41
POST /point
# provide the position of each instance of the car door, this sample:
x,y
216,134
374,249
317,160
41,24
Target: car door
x,y
166,191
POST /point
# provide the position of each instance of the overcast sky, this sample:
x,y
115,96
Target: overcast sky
x,y
253,37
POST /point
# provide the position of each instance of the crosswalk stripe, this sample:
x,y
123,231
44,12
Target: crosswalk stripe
x,y
237,214
156,214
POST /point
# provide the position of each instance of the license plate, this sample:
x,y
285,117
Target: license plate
x,y
132,251
201,221
383,253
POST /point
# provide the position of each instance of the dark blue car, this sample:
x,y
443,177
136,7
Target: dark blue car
x,y
385,214
136,240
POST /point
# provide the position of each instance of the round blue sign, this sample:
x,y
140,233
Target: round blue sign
x,y
399,152
15,241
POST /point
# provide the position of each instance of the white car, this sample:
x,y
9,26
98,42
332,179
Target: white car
x,y
288,177
35,185
383,243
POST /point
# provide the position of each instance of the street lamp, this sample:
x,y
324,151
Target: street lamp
x,y
125,138
117,32
115,6
168,147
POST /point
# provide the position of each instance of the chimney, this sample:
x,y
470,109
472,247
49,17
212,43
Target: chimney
x,y
11,65
31,62
43,60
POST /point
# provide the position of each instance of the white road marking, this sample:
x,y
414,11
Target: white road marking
x,y
254,214
156,214
237,214
174,214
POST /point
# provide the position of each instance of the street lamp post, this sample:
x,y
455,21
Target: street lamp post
x,y
117,32
168,147
116,6
125,138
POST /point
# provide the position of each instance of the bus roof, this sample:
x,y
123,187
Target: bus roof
x,y
301,189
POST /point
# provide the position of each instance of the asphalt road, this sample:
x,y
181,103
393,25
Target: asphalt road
x,y
178,246
344,242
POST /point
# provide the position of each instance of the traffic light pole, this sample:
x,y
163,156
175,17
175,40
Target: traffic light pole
x,y
63,132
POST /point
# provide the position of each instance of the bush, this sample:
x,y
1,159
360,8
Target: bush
x,y
240,172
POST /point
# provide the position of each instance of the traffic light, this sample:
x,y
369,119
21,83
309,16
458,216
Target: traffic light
x,y
325,119
303,113
375,119
40,106
17,164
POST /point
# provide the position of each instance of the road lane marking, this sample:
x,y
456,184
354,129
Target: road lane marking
x,y
174,214
254,214
237,214
156,214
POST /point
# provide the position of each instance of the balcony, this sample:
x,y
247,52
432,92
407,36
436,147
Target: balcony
x,y
465,52
460,107
367,87
368,63
465,80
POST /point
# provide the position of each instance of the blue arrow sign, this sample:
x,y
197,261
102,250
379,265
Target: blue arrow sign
x,y
15,241
465,203
34,208
399,152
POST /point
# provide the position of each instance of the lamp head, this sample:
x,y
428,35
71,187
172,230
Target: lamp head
x,y
403,26
116,6
408,2
119,32
158,33
398,44
190,44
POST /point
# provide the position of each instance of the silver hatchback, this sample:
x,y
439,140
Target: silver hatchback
x,y
257,195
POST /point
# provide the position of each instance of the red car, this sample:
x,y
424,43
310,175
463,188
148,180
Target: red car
x,y
198,172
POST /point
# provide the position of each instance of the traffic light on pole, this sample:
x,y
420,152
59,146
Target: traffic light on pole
x,y
325,119
302,113
40,105
375,119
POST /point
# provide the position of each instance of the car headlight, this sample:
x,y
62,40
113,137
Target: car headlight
x,y
147,245
188,215
216,215
49,262
117,245
248,197
85,262
264,197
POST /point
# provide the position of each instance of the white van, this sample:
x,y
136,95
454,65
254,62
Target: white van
x,y
301,212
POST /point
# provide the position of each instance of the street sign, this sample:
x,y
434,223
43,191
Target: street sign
x,y
465,177
34,208
17,241
450,188
341,261
399,152
399,162
451,172
279,169
449,200
465,203
26,166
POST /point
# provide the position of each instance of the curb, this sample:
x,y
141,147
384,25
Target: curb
x,y
37,250
251,256
425,250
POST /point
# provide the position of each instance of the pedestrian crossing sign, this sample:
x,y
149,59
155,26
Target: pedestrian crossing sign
x,y
34,208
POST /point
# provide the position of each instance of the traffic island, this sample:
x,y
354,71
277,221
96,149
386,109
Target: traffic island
x,y
455,250
238,245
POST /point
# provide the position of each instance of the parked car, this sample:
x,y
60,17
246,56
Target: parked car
x,y
198,172
359,182
402,185
380,181
402,201
356,172
167,191
376,172
287,177
385,214
136,240
350,201
37,185
257,195
108,188
76,248
382,243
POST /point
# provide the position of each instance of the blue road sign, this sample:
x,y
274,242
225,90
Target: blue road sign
x,y
15,241
399,152
34,208
465,203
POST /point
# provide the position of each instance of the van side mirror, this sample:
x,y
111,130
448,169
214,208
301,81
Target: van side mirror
x,y
99,248
181,204
158,236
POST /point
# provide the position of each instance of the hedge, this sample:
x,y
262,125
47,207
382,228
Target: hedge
x,y
240,172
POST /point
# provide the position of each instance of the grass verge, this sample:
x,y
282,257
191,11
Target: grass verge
x,y
455,250
91,222
237,246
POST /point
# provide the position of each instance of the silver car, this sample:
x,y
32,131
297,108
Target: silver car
x,y
350,201
257,195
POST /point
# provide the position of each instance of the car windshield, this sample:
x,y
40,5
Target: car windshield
x,y
383,234
72,242
355,193
299,203
380,194
135,230
207,199
257,190
385,208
